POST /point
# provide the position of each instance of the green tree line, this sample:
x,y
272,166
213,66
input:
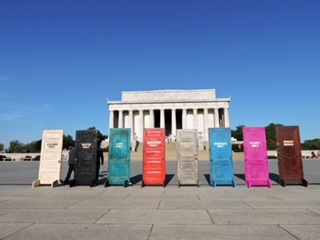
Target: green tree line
x,y
15,146
271,136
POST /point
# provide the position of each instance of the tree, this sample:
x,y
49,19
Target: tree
x,y
311,144
37,145
1,147
33,147
271,136
67,141
16,147
100,136
270,132
238,133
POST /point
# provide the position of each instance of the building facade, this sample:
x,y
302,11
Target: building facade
x,y
171,110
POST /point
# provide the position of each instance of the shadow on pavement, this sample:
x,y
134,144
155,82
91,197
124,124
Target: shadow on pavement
x,y
136,179
168,178
240,176
274,177
207,177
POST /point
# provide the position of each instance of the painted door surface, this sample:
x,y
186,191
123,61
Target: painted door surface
x,y
119,156
256,157
188,170
85,167
50,161
289,156
221,160
154,157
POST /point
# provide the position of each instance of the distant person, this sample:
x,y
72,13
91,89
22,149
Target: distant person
x,y
100,159
313,155
137,143
71,162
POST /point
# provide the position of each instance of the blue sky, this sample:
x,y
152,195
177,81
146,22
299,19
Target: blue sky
x,y
60,60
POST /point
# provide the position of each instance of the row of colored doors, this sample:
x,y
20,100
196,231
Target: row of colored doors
x,y
154,157
290,163
221,159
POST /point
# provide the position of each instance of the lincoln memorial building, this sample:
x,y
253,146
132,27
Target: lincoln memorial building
x,y
171,110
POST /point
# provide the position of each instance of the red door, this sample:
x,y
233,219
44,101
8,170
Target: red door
x,y
289,156
154,162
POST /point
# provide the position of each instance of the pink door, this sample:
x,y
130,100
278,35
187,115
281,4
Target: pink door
x,y
256,157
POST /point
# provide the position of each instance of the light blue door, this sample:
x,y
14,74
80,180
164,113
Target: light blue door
x,y
220,144
221,161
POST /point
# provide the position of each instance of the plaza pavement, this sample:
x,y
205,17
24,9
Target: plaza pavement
x,y
154,212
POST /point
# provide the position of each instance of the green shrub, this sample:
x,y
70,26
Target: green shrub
x,y
105,149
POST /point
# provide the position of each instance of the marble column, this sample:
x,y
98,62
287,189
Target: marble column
x,y
140,134
205,124
195,119
162,124
131,122
151,118
173,123
226,118
216,118
111,119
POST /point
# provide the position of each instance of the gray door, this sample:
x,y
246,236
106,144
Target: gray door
x,y
188,173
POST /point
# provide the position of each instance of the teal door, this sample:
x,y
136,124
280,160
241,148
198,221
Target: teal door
x,y
119,157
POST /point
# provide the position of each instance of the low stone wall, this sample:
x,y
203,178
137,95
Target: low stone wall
x,y
20,156
305,153
29,156
65,155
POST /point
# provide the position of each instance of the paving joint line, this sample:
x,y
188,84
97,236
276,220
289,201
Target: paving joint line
x,y
19,230
73,204
287,231
125,197
149,235
311,211
247,204
210,217
199,197
101,216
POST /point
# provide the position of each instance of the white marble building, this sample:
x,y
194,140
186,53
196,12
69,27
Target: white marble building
x,y
170,109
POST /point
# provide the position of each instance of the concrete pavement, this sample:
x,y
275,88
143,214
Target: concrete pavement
x,y
154,212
